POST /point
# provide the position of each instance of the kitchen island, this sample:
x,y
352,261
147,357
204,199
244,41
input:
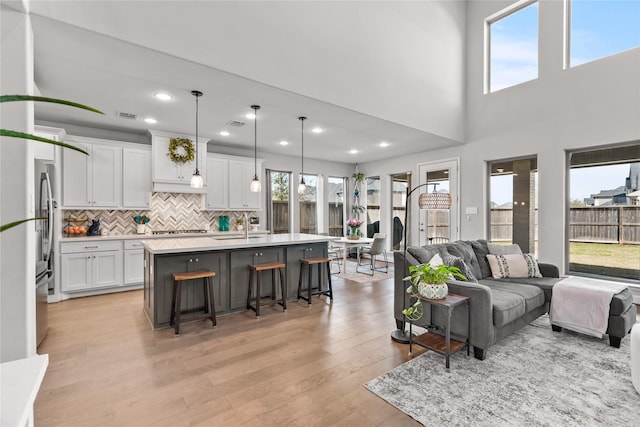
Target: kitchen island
x,y
229,259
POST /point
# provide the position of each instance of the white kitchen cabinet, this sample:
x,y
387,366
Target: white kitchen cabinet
x,y
172,177
136,177
91,265
241,173
217,183
94,180
133,262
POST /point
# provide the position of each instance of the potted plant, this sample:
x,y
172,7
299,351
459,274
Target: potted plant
x,y
141,223
239,224
428,282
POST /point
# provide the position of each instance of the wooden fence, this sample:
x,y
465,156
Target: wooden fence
x,y
307,218
602,224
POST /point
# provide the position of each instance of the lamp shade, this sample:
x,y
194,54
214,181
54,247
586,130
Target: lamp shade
x,y
302,187
255,184
434,200
196,180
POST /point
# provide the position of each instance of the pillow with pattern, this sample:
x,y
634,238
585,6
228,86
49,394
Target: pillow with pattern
x,y
455,261
514,266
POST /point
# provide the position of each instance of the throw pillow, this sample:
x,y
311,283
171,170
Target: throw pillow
x,y
513,266
422,254
504,249
435,261
455,261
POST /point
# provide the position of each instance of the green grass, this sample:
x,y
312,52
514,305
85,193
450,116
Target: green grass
x,y
605,254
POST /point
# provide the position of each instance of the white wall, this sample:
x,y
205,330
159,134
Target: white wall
x,y
400,61
17,245
591,105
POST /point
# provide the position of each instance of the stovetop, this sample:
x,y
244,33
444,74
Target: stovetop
x,y
178,231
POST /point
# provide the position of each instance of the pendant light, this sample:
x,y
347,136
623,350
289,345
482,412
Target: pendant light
x,y
196,178
301,187
255,182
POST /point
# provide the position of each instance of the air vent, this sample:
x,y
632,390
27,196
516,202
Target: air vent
x,y
235,123
129,116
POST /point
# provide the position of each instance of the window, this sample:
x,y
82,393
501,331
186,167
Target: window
x,y
336,206
373,204
308,209
604,212
600,28
279,207
513,190
437,220
512,40
399,183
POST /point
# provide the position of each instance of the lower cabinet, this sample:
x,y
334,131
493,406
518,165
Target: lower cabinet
x,y
239,273
87,266
192,290
133,262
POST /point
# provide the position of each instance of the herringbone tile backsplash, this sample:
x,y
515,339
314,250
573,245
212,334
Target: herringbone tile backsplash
x,y
169,211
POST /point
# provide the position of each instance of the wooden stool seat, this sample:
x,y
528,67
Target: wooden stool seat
x,y
255,270
308,263
209,299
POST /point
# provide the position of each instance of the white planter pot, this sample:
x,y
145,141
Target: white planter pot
x,y
141,228
433,291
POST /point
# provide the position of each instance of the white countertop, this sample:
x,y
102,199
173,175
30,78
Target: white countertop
x,y
20,381
198,244
223,234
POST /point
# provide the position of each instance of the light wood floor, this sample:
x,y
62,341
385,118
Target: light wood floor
x,y
304,367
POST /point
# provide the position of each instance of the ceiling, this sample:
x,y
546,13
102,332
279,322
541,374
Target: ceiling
x,y
117,76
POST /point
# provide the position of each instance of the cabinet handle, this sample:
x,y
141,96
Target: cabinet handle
x,y
197,260
91,247
88,257
256,254
190,259
260,253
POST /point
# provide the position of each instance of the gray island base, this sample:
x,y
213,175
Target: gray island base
x,y
229,258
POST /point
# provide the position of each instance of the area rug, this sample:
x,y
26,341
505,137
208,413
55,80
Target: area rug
x,y
535,377
352,274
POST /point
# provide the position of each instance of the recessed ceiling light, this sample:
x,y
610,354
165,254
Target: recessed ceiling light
x,y
284,142
163,96
353,151
150,120
316,130
224,133
250,116
383,144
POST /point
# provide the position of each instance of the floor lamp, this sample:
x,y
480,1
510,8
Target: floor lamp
x,y
425,201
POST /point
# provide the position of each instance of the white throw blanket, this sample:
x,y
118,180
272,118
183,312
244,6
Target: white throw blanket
x,y
582,304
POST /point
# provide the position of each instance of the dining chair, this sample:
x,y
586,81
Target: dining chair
x,y
378,247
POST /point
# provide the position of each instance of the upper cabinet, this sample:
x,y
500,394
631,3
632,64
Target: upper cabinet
x,y
228,180
241,173
136,177
174,177
93,180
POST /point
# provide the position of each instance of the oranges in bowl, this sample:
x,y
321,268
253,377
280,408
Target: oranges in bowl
x,y
76,230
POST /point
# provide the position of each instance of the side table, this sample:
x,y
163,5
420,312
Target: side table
x,y
442,344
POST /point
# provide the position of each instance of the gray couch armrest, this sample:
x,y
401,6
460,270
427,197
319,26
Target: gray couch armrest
x,y
548,270
480,309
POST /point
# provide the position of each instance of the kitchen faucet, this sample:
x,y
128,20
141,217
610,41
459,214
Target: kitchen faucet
x,y
246,225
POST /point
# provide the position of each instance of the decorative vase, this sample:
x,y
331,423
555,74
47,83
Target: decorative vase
x,y
240,227
353,237
141,228
433,290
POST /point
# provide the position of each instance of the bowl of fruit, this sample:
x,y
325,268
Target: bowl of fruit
x,y
76,230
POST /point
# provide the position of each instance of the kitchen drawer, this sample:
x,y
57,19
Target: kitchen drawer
x,y
92,246
133,244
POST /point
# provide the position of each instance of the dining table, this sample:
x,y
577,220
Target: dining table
x,y
349,243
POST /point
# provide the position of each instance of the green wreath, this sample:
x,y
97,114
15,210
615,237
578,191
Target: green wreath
x,y
175,144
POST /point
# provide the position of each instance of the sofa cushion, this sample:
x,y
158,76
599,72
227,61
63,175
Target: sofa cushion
x,y
464,250
495,249
507,307
456,261
544,283
423,254
481,250
532,295
514,265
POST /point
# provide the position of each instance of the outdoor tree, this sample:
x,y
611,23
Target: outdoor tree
x,y
280,187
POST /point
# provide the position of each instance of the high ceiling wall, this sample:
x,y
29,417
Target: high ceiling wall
x,y
399,61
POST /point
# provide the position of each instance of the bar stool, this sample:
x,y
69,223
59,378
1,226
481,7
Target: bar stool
x,y
255,270
308,263
209,299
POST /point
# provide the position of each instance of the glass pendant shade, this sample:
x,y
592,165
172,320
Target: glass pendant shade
x,y
255,184
301,187
196,180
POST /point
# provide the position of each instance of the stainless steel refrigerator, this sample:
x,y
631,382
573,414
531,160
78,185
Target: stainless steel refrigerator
x,y
45,235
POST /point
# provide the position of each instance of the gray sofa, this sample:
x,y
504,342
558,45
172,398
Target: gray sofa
x,y
498,307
